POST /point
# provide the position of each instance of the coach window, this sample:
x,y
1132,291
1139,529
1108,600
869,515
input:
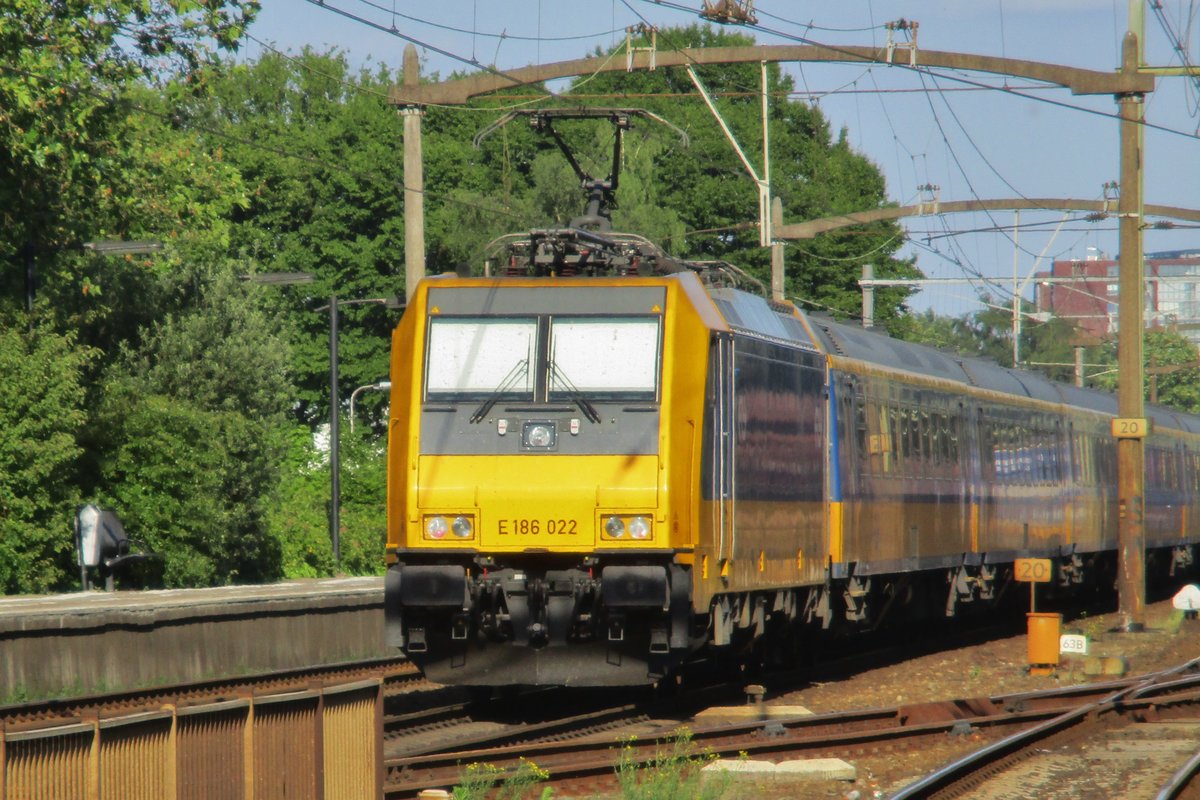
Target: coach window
x,y
908,421
926,436
987,448
883,444
895,437
860,428
468,358
604,358
1087,457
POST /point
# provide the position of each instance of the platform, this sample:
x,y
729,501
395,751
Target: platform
x,y
89,642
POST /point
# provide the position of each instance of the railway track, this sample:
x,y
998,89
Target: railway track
x,y
584,757
1139,740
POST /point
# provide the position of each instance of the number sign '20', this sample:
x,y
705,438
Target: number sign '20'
x,y
1033,570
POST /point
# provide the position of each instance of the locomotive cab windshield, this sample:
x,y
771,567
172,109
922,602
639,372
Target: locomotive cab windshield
x,y
546,359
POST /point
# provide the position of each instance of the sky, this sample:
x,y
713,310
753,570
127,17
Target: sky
x,y
919,129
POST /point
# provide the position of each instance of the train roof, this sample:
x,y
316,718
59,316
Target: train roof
x,y
754,315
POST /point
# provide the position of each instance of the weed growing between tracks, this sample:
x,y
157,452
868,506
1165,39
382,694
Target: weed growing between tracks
x,y
478,781
673,774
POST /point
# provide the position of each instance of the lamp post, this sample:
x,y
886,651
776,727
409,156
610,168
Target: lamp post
x,y
110,248
335,498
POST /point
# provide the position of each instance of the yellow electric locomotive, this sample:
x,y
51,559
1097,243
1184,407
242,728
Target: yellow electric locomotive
x,y
541,513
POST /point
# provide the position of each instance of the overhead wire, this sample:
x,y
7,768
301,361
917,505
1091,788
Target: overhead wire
x,y
299,62
901,65
1177,44
502,35
1018,91
472,61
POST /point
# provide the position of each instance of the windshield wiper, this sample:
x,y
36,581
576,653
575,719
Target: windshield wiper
x,y
519,369
573,392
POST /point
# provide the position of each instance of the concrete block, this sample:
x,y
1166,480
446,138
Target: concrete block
x,y
825,769
804,769
1094,666
741,766
1116,665
750,712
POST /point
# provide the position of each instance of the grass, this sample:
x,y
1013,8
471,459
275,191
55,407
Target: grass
x,y
673,773
480,781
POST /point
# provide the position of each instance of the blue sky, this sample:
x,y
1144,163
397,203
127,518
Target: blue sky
x,y
971,143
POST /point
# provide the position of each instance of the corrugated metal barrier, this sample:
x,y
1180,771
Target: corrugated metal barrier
x,y
324,744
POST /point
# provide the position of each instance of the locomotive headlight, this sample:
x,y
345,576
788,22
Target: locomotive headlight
x,y
463,528
436,527
639,528
614,527
538,435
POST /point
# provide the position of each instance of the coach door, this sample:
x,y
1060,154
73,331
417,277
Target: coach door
x,y
719,453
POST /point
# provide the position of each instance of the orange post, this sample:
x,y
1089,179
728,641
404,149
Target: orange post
x,y
1044,631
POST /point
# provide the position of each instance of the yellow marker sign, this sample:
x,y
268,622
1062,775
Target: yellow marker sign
x,y
1033,570
1130,427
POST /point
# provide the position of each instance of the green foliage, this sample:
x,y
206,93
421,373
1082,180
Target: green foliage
x,y
189,437
66,134
1162,349
41,415
224,353
674,773
299,519
189,483
316,147
480,781
364,502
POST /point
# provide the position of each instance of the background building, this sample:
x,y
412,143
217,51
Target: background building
x,y
1084,291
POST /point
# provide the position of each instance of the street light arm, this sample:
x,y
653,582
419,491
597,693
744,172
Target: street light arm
x,y
390,302
382,386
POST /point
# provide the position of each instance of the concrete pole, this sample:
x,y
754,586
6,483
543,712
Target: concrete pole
x,y
766,212
868,290
414,181
1016,320
1131,568
777,252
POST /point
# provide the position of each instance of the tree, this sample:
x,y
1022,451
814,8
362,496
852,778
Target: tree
x,y
189,436
315,145
194,486
41,414
1046,347
64,72
1162,350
